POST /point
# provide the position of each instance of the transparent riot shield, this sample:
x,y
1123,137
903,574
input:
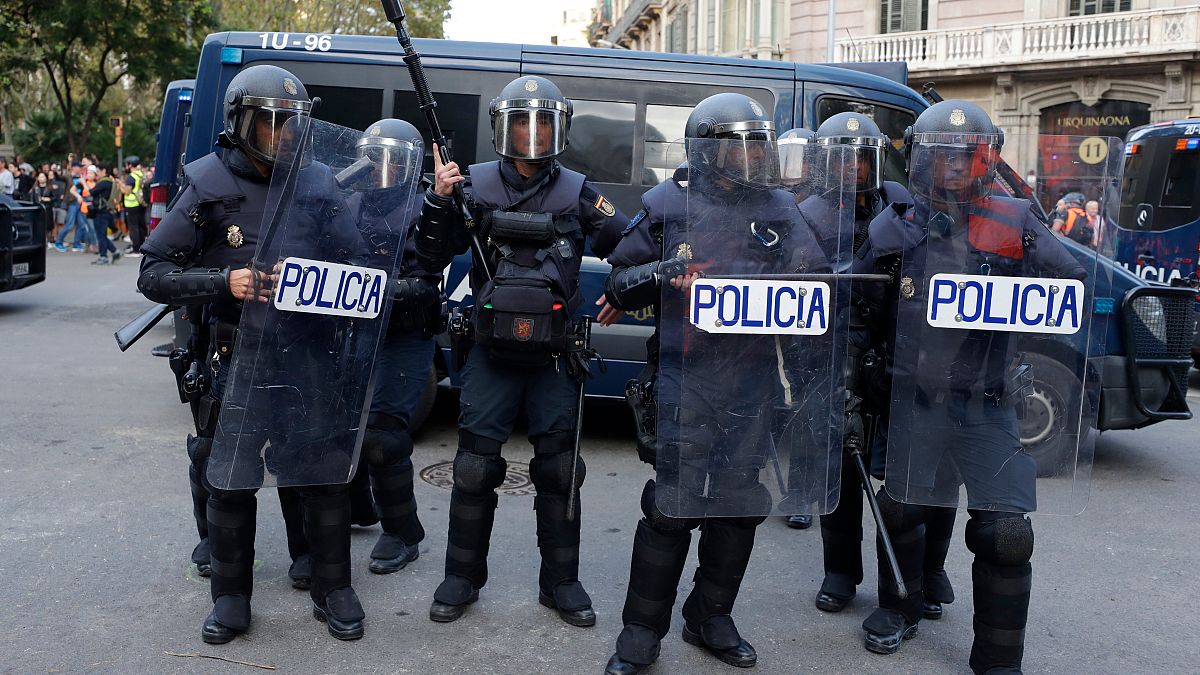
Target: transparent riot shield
x,y
750,389
298,389
996,370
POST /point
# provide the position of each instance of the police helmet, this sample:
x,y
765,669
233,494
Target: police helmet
x,y
1075,199
259,98
733,136
395,151
869,143
952,151
793,148
530,119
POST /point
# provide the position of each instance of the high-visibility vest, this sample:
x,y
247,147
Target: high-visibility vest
x,y
134,198
1074,213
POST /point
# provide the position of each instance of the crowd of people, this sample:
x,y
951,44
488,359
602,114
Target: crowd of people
x,y
99,205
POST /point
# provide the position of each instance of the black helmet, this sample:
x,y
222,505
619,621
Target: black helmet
x,y
1075,199
530,102
952,151
732,135
262,94
395,152
793,150
869,143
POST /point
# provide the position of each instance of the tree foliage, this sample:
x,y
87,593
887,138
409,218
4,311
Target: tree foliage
x,y
357,17
85,49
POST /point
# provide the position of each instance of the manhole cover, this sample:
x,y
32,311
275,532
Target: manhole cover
x,y
516,481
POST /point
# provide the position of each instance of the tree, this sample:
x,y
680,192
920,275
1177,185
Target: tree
x,y
84,49
357,17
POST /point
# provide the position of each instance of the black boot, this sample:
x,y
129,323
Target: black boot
x,y
300,572
886,629
841,543
392,486
231,518
799,522
451,598
637,650
724,553
895,620
939,531
558,536
327,524
229,618
202,557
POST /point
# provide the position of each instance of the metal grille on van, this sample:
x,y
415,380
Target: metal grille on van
x,y
1159,324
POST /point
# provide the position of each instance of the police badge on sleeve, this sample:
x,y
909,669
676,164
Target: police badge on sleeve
x,y
318,287
1007,304
760,306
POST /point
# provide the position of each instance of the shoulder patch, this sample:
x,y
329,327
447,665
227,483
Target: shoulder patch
x,y
604,206
633,222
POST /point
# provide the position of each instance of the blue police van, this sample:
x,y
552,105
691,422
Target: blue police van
x,y
1159,218
170,139
629,108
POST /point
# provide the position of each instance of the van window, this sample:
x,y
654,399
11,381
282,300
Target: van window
x,y
353,107
1132,178
891,121
458,115
601,141
664,130
1180,180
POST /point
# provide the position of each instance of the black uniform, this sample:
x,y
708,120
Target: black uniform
x,y
535,229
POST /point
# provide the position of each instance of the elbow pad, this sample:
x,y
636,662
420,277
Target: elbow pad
x,y
434,233
637,287
185,287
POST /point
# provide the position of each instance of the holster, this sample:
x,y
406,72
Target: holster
x,y
458,327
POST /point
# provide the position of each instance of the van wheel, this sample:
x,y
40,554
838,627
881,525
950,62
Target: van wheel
x,y
1050,416
424,404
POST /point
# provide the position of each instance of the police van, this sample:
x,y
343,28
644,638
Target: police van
x,y
629,108
23,228
1159,220
170,140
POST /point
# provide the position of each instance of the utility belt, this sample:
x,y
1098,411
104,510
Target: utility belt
x,y
193,376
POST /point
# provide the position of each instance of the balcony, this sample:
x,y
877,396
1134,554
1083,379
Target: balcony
x,y
640,15
1152,33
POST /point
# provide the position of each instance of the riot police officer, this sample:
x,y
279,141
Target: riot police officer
x,y
724,184
532,216
199,255
841,531
403,365
960,386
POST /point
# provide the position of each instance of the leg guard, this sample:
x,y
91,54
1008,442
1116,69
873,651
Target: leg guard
x,y
841,538
660,548
198,449
231,523
362,508
389,457
724,553
906,526
1002,577
939,530
290,504
558,538
327,523
478,471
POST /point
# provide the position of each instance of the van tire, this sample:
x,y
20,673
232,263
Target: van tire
x,y
1044,430
425,404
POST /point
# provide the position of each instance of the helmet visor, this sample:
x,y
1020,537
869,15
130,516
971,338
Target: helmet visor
x,y
954,173
392,161
792,153
530,132
750,159
263,130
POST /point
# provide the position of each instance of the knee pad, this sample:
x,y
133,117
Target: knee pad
x,y
898,516
478,474
551,474
199,448
660,522
1004,539
386,447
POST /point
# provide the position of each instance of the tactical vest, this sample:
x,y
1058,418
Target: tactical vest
x,y
523,313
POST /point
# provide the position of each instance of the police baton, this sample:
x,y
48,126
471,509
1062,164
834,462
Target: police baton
x,y
572,488
854,449
141,324
394,12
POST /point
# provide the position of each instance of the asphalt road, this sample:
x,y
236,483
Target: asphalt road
x,y
96,529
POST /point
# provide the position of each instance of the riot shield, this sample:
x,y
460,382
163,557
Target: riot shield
x,y
750,390
298,389
996,371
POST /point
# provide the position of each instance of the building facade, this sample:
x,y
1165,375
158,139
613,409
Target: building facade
x,y
746,28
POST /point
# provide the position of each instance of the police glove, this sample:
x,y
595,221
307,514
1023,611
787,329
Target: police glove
x,y
854,433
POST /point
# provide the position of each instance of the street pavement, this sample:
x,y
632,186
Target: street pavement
x,y
96,532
